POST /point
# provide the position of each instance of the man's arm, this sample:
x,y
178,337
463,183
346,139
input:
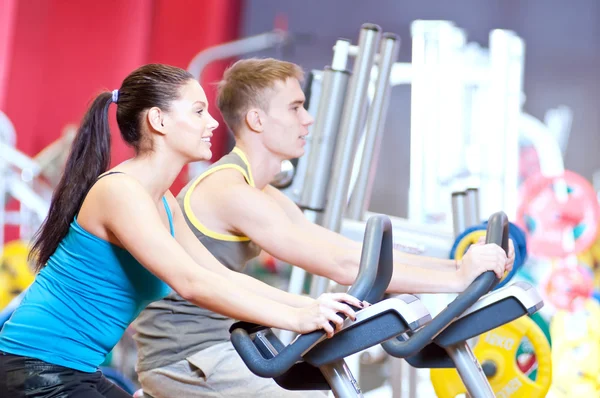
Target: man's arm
x,y
316,250
251,212
296,215
412,273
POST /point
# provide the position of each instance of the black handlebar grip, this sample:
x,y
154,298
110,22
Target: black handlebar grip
x,y
497,232
375,273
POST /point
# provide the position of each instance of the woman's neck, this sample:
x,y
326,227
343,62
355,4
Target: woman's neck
x,y
156,172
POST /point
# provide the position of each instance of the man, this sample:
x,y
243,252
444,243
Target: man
x,y
185,350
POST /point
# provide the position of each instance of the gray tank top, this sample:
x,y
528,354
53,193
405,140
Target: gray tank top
x,y
172,329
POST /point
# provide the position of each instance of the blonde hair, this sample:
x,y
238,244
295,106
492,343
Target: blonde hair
x,y
245,84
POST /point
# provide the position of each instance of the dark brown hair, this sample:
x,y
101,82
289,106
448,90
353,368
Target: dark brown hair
x,y
146,87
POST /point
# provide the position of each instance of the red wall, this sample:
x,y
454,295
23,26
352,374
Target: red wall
x,y
181,32
7,19
55,55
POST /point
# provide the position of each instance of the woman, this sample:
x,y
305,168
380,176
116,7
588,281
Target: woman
x,y
115,241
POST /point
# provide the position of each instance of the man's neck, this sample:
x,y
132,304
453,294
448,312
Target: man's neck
x,y
264,166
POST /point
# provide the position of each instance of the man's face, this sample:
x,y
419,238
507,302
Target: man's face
x,y
286,123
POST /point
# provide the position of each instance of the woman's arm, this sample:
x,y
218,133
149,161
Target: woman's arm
x,y
201,255
134,220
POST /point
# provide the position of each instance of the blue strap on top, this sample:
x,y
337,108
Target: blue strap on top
x,y
169,215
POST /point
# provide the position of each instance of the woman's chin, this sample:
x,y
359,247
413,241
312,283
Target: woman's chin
x,y
202,155
206,154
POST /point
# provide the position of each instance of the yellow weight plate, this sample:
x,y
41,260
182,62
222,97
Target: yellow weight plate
x,y
15,273
576,351
500,347
468,240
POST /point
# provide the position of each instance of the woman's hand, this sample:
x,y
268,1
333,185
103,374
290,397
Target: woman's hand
x,y
325,310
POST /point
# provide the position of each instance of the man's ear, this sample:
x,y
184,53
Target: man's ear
x,y
255,120
156,120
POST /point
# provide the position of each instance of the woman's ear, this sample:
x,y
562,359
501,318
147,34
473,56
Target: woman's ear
x,y
156,120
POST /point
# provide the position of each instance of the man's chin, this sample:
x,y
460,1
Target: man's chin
x,y
299,153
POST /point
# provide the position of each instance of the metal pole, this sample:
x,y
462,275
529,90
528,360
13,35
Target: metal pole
x,y
425,106
506,58
396,376
458,212
341,380
472,207
359,202
322,143
470,371
325,132
246,45
352,118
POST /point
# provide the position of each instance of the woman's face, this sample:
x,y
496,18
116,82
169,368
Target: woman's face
x,y
190,125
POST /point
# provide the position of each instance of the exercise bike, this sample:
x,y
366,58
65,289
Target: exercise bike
x,y
402,324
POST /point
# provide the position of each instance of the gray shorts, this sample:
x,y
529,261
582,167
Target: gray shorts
x,y
215,372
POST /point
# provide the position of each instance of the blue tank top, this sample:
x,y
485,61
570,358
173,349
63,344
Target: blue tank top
x,y
81,302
